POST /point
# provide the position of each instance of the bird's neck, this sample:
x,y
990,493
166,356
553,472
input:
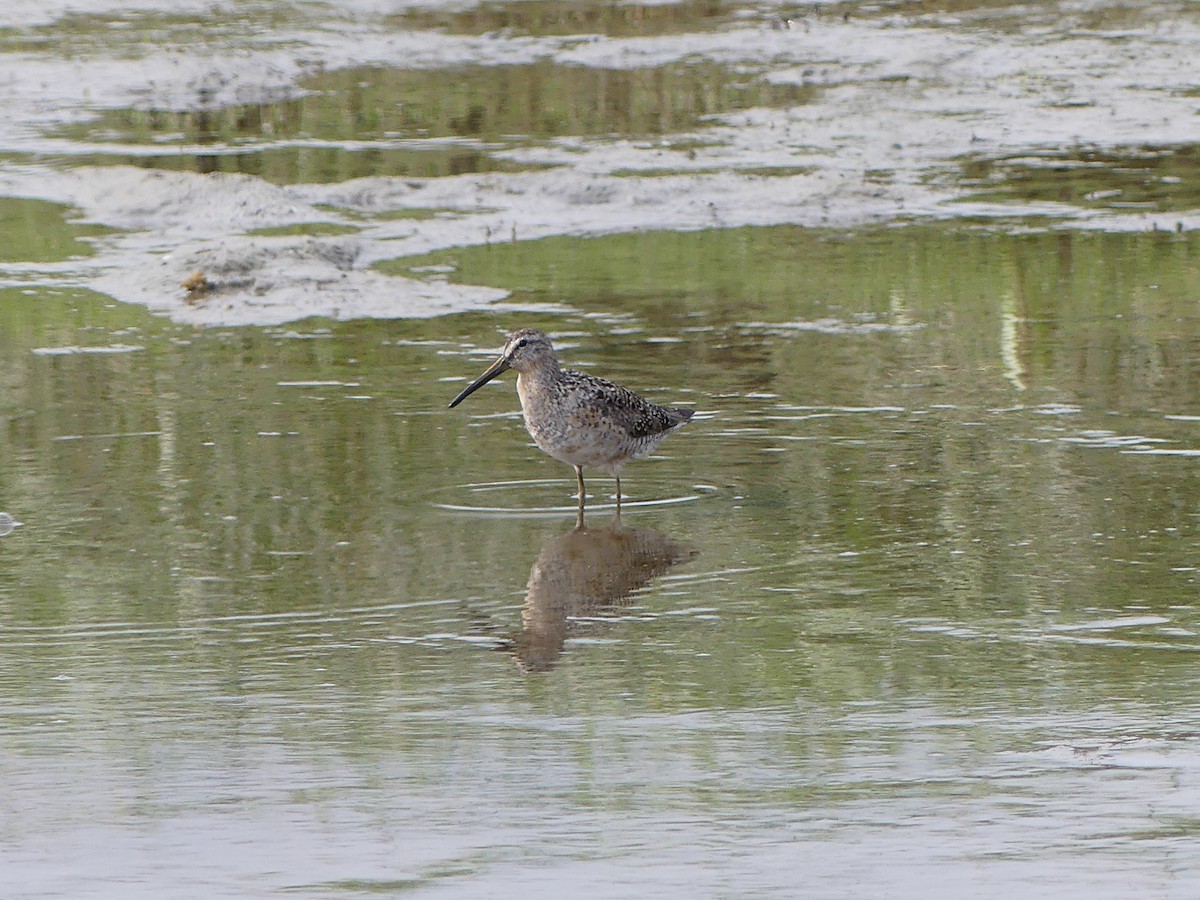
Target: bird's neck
x,y
538,380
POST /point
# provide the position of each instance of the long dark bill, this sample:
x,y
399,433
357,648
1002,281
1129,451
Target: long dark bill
x,y
500,365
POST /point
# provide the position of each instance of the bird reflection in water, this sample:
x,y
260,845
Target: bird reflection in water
x,y
583,573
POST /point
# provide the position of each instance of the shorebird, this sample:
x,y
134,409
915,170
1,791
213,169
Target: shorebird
x,y
578,418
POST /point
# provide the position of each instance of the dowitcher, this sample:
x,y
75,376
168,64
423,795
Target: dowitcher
x,y
578,418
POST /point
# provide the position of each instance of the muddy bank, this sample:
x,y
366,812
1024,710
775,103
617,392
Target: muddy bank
x,y
156,122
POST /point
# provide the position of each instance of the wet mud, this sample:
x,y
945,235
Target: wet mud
x,y
283,153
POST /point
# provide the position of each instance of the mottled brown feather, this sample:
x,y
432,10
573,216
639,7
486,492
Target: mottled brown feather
x,y
635,415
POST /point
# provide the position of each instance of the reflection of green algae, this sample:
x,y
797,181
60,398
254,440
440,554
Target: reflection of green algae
x,y
1161,179
316,165
304,228
998,15
688,144
493,103
452,119
544,100
749,272
391,886
564,17
45,317
417,213
754,172
129,34
39,231
788,272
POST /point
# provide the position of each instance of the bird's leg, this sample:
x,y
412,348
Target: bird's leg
x,y
579,475
618,477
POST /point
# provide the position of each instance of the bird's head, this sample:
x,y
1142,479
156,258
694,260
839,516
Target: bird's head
x,y
524,351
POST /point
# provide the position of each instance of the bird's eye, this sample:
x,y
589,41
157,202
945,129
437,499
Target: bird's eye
x,y
522,342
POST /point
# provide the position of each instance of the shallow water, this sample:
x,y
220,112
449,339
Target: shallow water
x,y
909,610
913,598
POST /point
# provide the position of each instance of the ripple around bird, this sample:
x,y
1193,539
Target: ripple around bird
x,y
556,487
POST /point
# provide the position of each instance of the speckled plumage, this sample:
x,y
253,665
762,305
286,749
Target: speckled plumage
x,y
577,418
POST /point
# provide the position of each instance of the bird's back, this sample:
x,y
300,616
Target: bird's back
x,y
619,407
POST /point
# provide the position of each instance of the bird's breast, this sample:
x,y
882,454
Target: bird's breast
x,y
563,424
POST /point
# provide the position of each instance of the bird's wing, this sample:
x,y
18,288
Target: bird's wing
x,y
637,416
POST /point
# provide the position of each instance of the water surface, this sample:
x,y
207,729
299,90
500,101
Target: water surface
x,y
908,610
